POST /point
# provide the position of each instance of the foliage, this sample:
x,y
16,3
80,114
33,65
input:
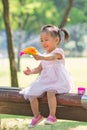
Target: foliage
x,y
77,16
28,16
31,15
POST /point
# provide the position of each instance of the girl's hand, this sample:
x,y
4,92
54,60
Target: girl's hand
x,y
27,71
38,57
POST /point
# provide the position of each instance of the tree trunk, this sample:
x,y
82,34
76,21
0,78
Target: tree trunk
x,y
13,71
67,11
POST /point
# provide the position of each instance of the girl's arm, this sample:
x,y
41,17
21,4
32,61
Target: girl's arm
x,y
36,70
48,57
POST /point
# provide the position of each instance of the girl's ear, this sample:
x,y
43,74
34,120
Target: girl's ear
x,y
57,39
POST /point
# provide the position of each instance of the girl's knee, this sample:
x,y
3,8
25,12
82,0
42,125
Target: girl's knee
x,y
31,99
51,94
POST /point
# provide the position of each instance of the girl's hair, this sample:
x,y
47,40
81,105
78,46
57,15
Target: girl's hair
x,y
55,31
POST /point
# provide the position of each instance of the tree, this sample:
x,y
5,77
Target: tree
x,y
66,14
13,74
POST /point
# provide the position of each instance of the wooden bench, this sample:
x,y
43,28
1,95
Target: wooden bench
x,y
70,106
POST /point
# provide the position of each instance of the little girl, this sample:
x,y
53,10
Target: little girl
x,y
53,77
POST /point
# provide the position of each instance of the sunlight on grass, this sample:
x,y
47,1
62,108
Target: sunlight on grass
x,y
22,124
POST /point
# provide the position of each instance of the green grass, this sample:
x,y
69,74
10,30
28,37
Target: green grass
x,y
22,124
78,70
3,116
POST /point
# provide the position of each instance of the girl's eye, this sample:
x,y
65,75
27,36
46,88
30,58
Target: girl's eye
x,y
46,40
41,40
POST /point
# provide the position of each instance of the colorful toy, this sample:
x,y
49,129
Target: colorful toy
x,y
29,51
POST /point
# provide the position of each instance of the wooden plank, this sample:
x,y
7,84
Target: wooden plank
x,y
69,105
12,94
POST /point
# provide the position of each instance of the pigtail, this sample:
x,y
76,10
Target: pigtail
x,y
66,33
55,31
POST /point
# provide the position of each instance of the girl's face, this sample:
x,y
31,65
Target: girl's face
x,y
48,42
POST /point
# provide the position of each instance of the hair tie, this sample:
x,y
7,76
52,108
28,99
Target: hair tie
x,y
60,29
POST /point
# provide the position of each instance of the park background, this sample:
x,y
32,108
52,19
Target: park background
x,y
20,24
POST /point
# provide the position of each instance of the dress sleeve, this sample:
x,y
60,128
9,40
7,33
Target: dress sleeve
x,y
59,51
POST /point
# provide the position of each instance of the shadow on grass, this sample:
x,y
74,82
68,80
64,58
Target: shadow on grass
x,y
67,125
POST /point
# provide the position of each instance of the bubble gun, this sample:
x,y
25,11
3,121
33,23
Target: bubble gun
x,y
29,51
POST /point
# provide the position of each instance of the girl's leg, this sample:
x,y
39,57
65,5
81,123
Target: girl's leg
x,y
52,108
52,103
35,109
34,106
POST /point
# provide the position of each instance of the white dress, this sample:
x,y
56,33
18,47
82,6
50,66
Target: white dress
x,y
54,76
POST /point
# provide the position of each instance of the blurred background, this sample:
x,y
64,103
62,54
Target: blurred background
x,y
20,24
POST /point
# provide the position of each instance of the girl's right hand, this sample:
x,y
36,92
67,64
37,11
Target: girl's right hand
x,y
27,71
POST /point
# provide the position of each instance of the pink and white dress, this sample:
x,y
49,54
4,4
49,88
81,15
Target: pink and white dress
x,y
53,77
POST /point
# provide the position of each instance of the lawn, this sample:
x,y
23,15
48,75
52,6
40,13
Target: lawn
x,y
78,70
21,123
